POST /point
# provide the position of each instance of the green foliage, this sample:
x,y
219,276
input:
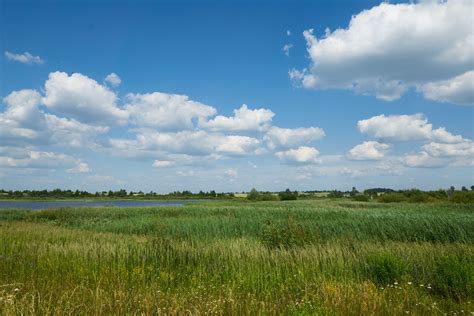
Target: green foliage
x,y
328,257
287,195
254,195
385,268
285,235
361,198
335,194
466,197
454,277
392,198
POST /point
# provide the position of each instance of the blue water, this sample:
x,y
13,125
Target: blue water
x,y
41,205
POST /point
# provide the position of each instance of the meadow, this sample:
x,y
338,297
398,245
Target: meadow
x,y
324,257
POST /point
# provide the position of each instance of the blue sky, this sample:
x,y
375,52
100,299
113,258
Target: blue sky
x,y
337,94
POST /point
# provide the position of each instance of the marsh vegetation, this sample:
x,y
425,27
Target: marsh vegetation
x,y
231,257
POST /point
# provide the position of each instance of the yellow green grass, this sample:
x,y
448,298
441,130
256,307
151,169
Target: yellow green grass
x,y
298,257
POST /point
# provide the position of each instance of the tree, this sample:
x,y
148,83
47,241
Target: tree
x,y
354,192
464,189
253,195
287,195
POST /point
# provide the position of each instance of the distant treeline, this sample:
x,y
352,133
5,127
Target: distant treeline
x,y
122,194
386,195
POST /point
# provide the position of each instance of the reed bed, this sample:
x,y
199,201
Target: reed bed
x,y
238,258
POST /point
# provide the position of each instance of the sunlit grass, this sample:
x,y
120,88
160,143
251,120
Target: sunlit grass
x,y
307,257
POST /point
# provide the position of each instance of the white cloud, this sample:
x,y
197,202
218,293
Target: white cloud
x,y
193,143
450,150
37,159
288,33
113,79
301,155
82,98
81,167
277,137
69,132
369,150
244,119
22,121
166,111
286,49
405,128
459,90
391,48
162,163
423,160
25,58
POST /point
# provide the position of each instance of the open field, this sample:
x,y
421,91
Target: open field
x,y
231,257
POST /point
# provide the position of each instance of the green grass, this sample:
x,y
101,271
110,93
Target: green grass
x,y
296,257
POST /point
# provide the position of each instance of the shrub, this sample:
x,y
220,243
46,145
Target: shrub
x,y
287,195
462,197
454,277
267,196
284,236
253,195
392,198
361,198
385,268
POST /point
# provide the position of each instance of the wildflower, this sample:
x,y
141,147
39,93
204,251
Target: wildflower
x,y
395,283
409,283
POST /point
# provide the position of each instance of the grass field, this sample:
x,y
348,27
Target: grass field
x,y
296,257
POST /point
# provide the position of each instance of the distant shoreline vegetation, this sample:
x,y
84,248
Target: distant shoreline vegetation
x,y
385,195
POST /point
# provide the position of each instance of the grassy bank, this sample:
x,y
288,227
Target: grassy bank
x,y
300,257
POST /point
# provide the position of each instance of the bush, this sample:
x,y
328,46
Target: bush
x,y
361,198
385,268
462,197
287,195
454,277
267,196
254,195
284,236
392,198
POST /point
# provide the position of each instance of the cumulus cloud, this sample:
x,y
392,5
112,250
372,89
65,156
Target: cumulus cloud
x,y
113,79
37,159
391,48
459,89
302,155
465,148
244,119
193,143
25,58
22,121
82,98
423,160
369,150
405,128
277,137
166,111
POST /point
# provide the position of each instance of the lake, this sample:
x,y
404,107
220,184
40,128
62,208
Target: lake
x,y
41,205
